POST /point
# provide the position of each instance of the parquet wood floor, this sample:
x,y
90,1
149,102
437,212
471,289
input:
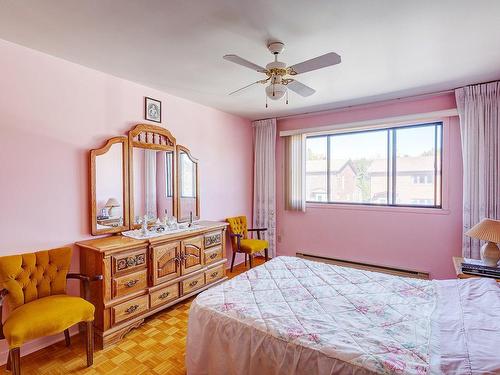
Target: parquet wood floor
x,y
157,347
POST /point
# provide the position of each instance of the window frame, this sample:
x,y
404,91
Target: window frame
x,y
391,162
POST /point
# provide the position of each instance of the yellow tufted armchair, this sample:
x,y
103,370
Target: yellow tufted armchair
x,y
238,231
34,289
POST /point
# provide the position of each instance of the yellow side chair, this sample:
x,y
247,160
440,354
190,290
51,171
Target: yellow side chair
x,y
238,231
34,287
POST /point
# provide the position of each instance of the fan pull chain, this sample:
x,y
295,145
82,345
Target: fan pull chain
x,y
266,98
286,96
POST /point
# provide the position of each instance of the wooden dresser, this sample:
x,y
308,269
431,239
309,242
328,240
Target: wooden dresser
x,y
142,277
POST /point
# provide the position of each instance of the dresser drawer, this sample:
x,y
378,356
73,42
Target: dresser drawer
x,y
129,309
214,274
164,295
130,283
130,261
193,283
212,239
213,255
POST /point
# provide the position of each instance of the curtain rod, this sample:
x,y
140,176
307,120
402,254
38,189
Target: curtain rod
x,y
367,105
373,123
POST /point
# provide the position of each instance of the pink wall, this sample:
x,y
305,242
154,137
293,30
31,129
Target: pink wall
x,y
52,112
421,239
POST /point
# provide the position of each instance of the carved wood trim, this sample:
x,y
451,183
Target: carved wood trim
x,y
151,136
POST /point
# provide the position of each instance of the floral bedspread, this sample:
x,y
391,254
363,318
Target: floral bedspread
x,y
375,322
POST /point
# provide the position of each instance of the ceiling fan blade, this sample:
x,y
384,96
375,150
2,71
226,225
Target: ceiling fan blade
x,y
317,63
241,61
243,88
300,88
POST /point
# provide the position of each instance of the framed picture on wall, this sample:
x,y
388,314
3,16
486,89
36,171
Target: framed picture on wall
x,y
152,109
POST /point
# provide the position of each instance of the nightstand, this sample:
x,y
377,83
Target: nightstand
x,y
457,262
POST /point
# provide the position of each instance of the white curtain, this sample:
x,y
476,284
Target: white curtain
x,y
295,185
479,110
150,183
264,185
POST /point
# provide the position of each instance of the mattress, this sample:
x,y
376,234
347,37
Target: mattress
x,y
294,316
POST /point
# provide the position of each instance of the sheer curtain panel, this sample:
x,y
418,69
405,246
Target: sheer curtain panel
x,y
264,188
295,163
479,110
150,183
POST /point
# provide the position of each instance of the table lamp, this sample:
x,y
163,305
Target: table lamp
x,y
112,202
487,230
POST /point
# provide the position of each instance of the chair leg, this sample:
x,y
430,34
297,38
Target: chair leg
x,y
232,262
250,257
266,253
246,259
67,338
7,366
89,343
15,361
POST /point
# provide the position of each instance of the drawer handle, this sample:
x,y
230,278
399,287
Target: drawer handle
x,y
213,255
213,275
131,283
164,295
131,309
131,261
193,283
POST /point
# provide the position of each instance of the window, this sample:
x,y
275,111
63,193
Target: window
x,y
398,166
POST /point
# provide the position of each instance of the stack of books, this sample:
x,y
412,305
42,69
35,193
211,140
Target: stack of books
x,y
476,267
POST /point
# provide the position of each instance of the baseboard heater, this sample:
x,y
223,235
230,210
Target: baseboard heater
x,y
366,266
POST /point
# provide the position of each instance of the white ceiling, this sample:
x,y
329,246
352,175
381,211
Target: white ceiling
x,y
389,48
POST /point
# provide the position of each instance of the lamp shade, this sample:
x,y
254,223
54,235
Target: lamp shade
x,y
486,230
112,202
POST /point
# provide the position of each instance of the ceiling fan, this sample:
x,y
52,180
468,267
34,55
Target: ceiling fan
x,y
279,76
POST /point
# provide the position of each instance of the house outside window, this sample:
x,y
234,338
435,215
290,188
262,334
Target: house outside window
x,y
398,166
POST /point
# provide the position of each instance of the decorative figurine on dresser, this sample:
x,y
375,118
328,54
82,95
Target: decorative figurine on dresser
x,y
158,255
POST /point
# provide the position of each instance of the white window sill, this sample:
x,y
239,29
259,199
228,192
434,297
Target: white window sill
x,y
392,209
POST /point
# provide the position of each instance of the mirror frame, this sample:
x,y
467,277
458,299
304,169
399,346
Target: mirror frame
x,y
93,199
150,137
195,161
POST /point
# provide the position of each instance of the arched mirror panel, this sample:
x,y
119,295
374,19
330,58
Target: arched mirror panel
x,y
137,178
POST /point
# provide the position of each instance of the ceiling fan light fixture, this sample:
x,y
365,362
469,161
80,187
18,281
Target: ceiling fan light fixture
x,y
280,78
275,91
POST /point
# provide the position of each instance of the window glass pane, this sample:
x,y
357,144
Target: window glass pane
x,y
439,135
358,167
415,165
394,166
316,167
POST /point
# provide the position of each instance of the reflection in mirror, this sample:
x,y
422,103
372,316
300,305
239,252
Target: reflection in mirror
x,y
187,186
109,188
153,184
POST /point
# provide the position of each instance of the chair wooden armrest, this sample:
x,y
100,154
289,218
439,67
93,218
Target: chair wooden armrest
x,y
258,230
3,293
238,239
86,282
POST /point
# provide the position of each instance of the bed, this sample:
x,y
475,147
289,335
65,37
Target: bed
x,y
292,316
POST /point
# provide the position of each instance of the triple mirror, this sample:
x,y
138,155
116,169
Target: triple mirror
x,y
145,176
